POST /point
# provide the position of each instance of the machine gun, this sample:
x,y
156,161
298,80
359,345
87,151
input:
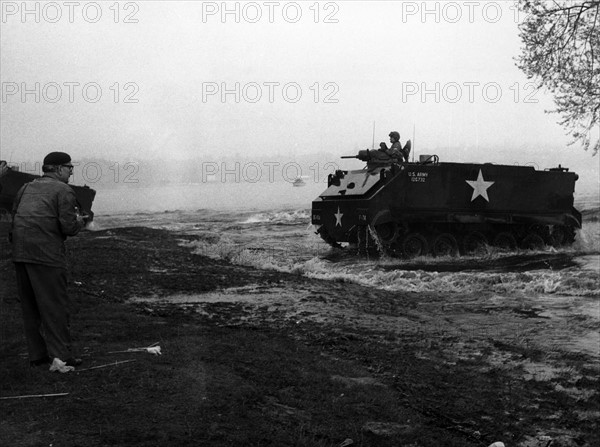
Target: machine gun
x,y
370,155
377,156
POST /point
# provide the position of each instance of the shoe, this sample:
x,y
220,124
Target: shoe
x,y
73,362
59,366
39,362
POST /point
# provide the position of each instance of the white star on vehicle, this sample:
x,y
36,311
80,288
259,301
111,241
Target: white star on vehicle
x,y
338,218
480,187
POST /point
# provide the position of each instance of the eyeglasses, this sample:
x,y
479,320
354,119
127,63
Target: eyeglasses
x,y
67,166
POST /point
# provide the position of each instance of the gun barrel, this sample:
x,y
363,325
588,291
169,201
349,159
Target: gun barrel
x,y
349,156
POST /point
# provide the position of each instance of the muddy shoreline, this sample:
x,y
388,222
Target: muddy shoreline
x,y
398,368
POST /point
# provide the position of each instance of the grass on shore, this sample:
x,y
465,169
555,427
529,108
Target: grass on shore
x,y
213,385
222,383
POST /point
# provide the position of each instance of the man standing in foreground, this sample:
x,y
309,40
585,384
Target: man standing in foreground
x,y
45,213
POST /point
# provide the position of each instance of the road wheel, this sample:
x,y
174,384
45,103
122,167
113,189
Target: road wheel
x,y
414,244
445,244
558,236
569,235
533,241
387,232
505,240
475,241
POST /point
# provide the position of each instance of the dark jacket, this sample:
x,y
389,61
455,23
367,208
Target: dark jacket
x,y
44,214
396,150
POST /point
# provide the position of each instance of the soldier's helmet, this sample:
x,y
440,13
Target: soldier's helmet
x,y
395,135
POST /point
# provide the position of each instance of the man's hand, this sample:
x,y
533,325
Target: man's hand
x,y
82,219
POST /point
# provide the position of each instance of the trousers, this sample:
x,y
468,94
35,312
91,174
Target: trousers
x,y
46,310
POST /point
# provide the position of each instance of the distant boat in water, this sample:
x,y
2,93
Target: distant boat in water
x,y
299,182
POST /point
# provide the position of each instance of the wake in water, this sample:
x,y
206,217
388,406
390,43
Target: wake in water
x,y
285,241
278,218
571,271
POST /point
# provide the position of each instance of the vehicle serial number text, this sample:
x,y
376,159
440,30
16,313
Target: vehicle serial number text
x,y
420,177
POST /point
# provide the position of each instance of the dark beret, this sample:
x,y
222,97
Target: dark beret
x,y
57,158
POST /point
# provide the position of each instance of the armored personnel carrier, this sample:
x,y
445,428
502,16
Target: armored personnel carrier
x,y
431,207
11,180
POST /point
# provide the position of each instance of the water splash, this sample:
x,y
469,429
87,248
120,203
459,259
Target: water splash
x,y
283,240
279,218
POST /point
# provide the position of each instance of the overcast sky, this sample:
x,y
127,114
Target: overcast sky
x,y
186,79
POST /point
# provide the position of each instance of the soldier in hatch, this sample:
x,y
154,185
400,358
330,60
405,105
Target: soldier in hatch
x,y
395,151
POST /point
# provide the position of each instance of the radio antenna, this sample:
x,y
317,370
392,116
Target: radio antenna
x,y
373,143
413,144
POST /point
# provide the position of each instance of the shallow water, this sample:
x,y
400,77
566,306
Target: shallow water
x,y
555,287
283,239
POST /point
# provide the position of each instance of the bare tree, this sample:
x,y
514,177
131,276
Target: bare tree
x,y
562,48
